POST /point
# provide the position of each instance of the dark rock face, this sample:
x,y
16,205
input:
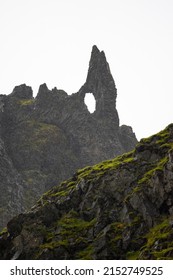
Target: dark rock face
x,y
47,138
11,198
100,82
118,209
22,92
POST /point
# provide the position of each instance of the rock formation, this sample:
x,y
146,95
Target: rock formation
x,y
118,209
44,140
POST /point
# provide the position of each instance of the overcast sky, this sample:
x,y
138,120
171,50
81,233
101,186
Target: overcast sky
x,y
51,40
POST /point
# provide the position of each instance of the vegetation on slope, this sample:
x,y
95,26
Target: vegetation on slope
x,y
118,209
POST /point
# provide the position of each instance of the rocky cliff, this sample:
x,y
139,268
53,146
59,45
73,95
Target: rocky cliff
x,y
118,209
44,140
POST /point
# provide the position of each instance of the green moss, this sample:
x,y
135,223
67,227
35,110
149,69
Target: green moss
x,y
71,184
162,255
3,231
71,232
117,228
43,133
36,135
54,244
70,223
136,189
130,159
160,137
86,254
146,176
115,238
61,193
133,255
136,219
147,140
158,167
166,146
105,166
159,243
159,232
26,102
88,174
37,230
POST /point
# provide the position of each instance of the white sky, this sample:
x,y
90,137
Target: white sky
x,y
51,40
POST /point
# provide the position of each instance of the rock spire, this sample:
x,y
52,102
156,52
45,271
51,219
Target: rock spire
x,y
101,83
47,138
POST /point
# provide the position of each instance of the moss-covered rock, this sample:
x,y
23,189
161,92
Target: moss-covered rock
x,y
118,209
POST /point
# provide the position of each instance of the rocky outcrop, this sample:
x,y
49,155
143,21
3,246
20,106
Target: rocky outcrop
x,y
100,82
49,137
118,209
12,189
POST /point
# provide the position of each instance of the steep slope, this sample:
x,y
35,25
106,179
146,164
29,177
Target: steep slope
x,y
118,209
11,187
49,137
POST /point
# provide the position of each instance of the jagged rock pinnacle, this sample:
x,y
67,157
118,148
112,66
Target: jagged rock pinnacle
x,y
22,92
98,62
43,89
101,83
47,138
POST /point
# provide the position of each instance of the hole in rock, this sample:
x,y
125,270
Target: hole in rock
x,y
90,102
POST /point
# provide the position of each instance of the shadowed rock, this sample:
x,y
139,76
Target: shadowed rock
x,y
49,137
118,209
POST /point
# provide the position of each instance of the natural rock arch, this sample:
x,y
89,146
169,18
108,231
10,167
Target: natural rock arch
x,y
90,102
